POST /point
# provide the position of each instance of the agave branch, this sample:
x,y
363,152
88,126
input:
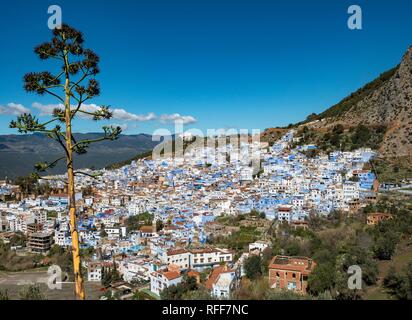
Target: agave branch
x,y
42,82
43,166
110,133
79,100
27,123
54,94
100,114
94,176
50,121
76,84
59,138
47,50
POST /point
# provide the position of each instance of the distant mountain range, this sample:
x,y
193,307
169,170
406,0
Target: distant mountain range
x,y
19,153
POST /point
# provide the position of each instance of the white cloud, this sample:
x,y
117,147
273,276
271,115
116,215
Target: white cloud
x,y
123,126
13,109
118,114
46,109
177,118
122,114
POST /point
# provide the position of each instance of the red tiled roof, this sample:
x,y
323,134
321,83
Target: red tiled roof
x,y
284,209
215,275
170,275
193,273
300,264
172,252
379,214
146,229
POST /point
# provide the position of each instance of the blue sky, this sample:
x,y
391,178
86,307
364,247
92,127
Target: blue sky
x,y
227,64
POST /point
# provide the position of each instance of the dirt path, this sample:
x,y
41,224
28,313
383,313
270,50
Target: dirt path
x,y
14,282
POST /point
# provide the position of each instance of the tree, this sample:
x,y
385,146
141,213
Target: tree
x,y
178,291
392,280
400,285
322,279
4,295
385,247
18,239
135,222
267,255
338,129
55,250
361,136
27,184
292,248
110,275
189,283
407,282
251,290
78,65
361,257
31,292
341,291
286,295
52,214
173,292
200,294
313,116
253,267
159,225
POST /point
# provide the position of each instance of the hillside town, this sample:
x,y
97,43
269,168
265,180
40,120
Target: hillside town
x,y
180,202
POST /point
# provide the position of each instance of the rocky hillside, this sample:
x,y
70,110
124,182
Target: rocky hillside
x,y
386,101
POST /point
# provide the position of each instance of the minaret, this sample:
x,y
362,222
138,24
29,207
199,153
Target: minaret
x,y
154,224
196,240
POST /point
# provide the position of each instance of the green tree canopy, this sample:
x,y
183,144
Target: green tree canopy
x,y
253,267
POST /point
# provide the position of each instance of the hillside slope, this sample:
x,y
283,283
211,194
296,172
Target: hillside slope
x,y
386,101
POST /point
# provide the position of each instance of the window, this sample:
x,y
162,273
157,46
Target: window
x,y
291,285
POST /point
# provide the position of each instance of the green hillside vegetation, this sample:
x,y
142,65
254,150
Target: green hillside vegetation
x,y
336,242
133,223
392,170
351,100
117,165
10,260
340,138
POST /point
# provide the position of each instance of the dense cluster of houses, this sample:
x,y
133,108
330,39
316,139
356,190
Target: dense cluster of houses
x,y
185,196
